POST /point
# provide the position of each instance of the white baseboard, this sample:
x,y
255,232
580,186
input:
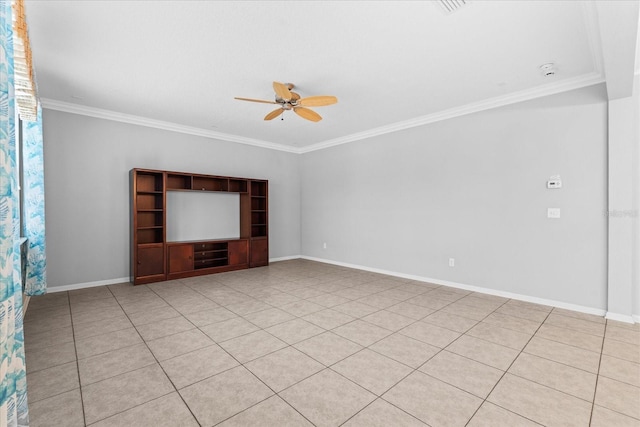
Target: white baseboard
x,y
489,291
285,258
87,285
636,318
620,317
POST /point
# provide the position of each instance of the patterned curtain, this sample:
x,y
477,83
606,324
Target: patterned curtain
x,y
13,382
33,205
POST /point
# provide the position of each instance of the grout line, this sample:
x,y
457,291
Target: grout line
x,y
75,349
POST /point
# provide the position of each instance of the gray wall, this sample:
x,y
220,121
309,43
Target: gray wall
x,y
473,188
87,163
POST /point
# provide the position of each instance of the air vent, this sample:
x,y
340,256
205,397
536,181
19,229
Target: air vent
x,y
450,6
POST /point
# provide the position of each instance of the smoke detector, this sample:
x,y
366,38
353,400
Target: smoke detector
x,y
450,6
548,69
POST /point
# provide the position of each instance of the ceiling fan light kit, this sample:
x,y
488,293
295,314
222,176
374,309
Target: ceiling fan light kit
x,y
291,101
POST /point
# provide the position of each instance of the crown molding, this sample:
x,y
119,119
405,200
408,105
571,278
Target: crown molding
x,y
500,101
82,110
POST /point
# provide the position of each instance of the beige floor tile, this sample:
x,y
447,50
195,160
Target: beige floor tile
x,y
50,356
248,307
207,317
94,305
372,371
64,409
195,305
135,306
514,323
328,318
273,412
382,414
328,300
251,346
115,362
90,329
163,328
430,334
167,410
483,351
302,308
415,312
96,315
625,325
378,301
429,301
490,415
294,331
552,374
197,365
109,397
620,370
327,399
174,345
151,316
578,315
48,300
571,337
476,313
529,305
42,324
433,401
280,299
224,395
621,350
52,381
362,332
98,344
355,309
495,334
284,368
228,329
328,348
450,321
305,292
580,325
523,313
629,336
388,320
474,301
540,403
269,317
564,353
618,396
34,341
603,417
466,374
405,350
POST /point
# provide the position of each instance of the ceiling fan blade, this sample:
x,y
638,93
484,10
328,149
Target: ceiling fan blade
x,y
256,100
282,91
305,113
275,113
317,101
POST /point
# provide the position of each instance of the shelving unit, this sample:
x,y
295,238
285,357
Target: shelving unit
x,y
154,259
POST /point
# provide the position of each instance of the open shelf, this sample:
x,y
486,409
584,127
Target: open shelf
x,y
238,185
204,183
178,181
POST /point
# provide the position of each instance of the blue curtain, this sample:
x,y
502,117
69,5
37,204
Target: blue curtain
x,y
13,383
33,205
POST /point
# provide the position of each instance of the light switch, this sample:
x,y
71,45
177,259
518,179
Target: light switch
x,y
553,212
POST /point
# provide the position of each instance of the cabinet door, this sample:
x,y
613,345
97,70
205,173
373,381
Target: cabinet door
x,y
180,258
238,252
150,261
259,252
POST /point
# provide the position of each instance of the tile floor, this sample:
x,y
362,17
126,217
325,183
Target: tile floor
x,y
301,343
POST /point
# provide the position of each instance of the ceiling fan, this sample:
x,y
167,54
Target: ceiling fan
x,y
291,101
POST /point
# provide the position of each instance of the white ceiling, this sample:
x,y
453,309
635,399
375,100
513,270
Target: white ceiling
x,y
392,64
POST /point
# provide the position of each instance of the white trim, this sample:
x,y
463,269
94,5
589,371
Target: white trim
x,y
489,291
500,101
99,113
636,318
285,258
619,317
63,288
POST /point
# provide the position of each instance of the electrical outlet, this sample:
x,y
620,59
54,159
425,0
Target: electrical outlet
x,y
324,245
452,262
553,212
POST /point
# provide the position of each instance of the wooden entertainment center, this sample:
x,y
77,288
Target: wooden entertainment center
x,y
154,259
